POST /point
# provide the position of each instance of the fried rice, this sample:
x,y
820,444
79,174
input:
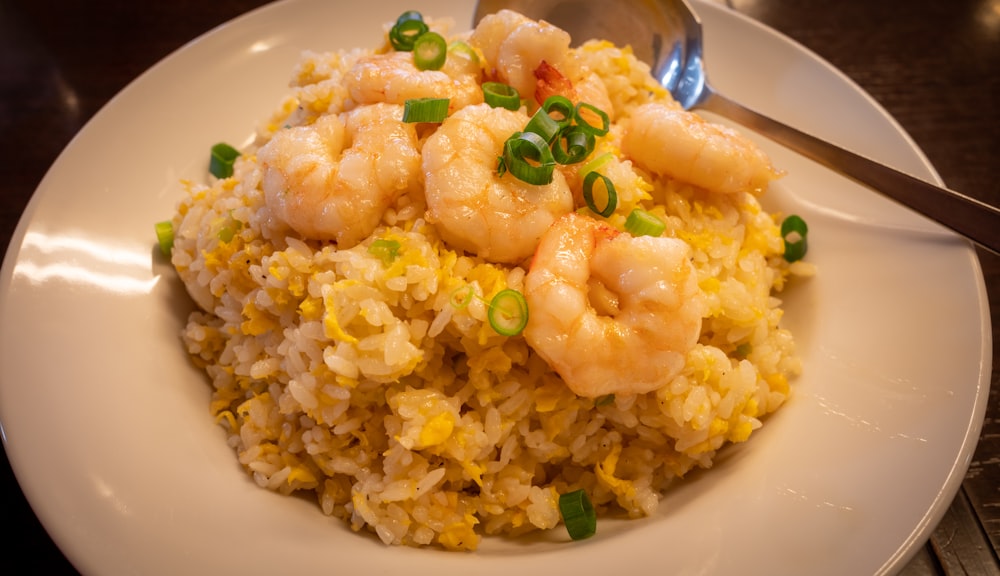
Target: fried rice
x,y
378,385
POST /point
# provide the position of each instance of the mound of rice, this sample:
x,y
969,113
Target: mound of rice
x,y
360,379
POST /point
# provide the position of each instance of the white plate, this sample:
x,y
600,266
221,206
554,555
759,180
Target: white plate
x,y
106,422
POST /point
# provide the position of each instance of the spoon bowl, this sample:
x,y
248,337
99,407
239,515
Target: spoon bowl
x,y
667,35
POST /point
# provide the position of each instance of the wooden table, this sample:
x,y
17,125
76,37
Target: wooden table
x,y
934,65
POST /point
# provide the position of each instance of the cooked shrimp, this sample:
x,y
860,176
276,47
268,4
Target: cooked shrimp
x,y
394,78
679,144
514,45
611,313
499,218
334,179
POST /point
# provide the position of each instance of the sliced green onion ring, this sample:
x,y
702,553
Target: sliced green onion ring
x,y
165,236
462,297
560,108
743,350
410,15
409,27
609,186
584,125
606,400
229,229
462,48
500,95
430,51
501,164
544,125
222,160
597,163
641,223
508,312
578,514
528,157
384,249
794,232
425,109
579,145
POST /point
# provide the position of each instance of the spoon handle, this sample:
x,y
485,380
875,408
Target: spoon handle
x,y
976,220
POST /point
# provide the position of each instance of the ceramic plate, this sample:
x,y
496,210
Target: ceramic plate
x,y
106,422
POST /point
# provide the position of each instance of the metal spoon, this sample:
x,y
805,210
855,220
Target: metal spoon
x,y
667,35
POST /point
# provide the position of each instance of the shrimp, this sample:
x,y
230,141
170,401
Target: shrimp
x,y
394,78
611,313
679,144
497,217
515,45
334,179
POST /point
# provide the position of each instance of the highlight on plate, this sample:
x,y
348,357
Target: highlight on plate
x,y
483,283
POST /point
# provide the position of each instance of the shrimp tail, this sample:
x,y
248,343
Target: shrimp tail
x,y
551,82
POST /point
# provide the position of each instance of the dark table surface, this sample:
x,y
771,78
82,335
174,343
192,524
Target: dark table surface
x,y
933,64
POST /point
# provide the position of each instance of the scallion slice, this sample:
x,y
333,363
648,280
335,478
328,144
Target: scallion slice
x,y
578,514
462,48
462,297
229,230
544,125
384,249
500,95
528,157
508,312
409,26
794,232
410,15
560,109
430,51
743,350
579,145
606,400
165,236
597,163
584,125
611,194
222,160
641,223
425,109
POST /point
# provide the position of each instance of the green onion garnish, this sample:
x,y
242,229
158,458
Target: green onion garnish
x,y
461,48
544,125
611,193
794,232
578,514
508,312
430,51
552,124
584,125
222,160
605,400
462,297
641,223
500,95
597,163
165,236
425,109
385,250
409,26
560,108
410,15
528,157
579,145
229,230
